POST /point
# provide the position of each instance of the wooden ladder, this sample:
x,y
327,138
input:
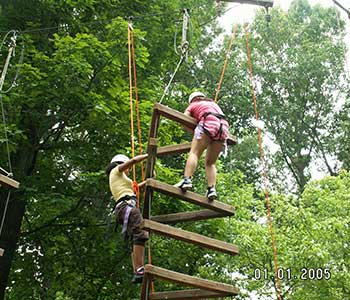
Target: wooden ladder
x,y
203,288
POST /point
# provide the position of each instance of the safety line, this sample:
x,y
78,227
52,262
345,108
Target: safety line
x,y
264,172
182,58
137,104
226,62
5,211
131,102
132,64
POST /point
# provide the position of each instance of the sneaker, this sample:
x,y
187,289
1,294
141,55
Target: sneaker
x,y
211,193
185,184
138,275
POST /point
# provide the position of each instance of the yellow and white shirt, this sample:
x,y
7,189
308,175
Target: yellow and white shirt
x,y
120,184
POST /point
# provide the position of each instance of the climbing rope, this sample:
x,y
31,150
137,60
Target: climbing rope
x,y
137,104
133,75
264,172
131,101
234,29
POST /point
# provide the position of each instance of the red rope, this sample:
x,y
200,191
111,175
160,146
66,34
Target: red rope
x,y
131,102
132,64
137,104
264,172
226,62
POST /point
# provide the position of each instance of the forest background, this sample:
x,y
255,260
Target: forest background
x,y
68,114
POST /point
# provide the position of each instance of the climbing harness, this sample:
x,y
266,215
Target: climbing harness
x,y
218,134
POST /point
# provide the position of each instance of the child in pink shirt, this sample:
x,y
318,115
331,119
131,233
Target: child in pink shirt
x,y
210,133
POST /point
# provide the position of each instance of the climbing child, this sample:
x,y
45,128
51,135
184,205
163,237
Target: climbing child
x,y
210,134
126,212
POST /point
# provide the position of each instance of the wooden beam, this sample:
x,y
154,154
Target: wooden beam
x,y
152,155
190,237
181,118
265,3
189,216
204,284
151,160
175,115
188,196
8,182
174,149
145,288
148,196
153,130
186,295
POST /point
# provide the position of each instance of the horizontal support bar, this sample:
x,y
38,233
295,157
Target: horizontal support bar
x,y
187,295
191,216
188,196
190,237
8,182
174,149
184,279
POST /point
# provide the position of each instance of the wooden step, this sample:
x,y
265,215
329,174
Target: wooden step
x,y
174,149
167,189
197,215
186,295
204,284
190,237
181,118
8,182
265,3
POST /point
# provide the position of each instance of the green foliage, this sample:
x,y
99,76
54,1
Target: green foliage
x,y
299,62
69,114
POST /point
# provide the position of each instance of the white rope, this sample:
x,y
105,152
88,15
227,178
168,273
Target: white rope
x,y
172,77
5,210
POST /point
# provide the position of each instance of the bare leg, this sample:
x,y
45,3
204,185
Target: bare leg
x,y
197,148
213,151
138,253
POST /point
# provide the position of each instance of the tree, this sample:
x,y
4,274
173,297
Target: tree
x,y
299,62
67,116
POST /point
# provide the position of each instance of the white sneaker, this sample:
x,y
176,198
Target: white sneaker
x,y
211,193
185,184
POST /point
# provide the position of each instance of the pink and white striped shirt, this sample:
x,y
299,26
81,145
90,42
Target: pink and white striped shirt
x,y
210,123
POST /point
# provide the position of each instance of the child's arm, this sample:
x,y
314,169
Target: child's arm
x,y
128,164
